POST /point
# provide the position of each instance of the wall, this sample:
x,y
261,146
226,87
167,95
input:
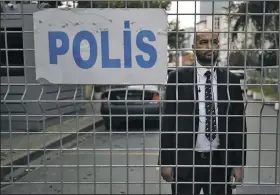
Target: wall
x,y
206,7
26,88
201,25
188,42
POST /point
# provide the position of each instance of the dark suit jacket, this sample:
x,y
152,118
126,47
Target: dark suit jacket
x,y
173,126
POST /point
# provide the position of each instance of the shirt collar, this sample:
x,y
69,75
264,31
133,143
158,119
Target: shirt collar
x,y
202,70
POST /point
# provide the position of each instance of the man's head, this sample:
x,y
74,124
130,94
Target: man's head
x,y
208,40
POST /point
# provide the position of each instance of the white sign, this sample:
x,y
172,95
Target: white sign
x,y
101,46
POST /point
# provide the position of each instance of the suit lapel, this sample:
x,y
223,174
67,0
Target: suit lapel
x,y
190,77
222,97
222,88
195,89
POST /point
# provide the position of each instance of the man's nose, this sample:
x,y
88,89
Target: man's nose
x,y
209,44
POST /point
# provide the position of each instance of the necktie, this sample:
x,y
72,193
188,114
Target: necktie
x,y
210,109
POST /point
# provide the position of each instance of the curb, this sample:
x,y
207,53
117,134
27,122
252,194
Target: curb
x,y
36,154
275,105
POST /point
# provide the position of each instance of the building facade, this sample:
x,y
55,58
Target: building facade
x,y
27,105
209,8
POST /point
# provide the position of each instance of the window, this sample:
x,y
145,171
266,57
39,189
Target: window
x,y
217,23
15,57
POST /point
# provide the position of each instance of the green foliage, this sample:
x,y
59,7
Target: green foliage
x,y
270,89
254,79
259,13
260,18
173,28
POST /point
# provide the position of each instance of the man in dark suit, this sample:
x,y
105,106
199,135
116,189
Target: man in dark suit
x,y
204,125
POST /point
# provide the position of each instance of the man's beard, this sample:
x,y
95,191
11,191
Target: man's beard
x,y
207,61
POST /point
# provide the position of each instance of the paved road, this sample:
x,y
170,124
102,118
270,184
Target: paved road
x,y
128,166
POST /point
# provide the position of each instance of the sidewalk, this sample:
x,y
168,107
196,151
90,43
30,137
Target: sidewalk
x,y
37,141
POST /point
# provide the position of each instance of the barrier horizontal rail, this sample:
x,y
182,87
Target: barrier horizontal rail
x,y
130,149
89,182
262,120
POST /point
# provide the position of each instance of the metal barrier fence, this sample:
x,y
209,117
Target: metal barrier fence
x,y
74,139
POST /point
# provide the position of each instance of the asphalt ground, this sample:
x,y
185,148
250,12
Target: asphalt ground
x,y
119,165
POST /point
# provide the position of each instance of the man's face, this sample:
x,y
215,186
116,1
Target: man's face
x,y
205,42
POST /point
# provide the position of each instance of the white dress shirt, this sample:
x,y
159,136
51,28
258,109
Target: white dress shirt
x,y
202,143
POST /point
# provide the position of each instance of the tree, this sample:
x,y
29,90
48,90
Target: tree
x,y
266,18
173,28
238,59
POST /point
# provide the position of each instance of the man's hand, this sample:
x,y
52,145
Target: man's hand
x,y
237,174
167,174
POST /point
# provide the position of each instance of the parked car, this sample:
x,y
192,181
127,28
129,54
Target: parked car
x,y
122,103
